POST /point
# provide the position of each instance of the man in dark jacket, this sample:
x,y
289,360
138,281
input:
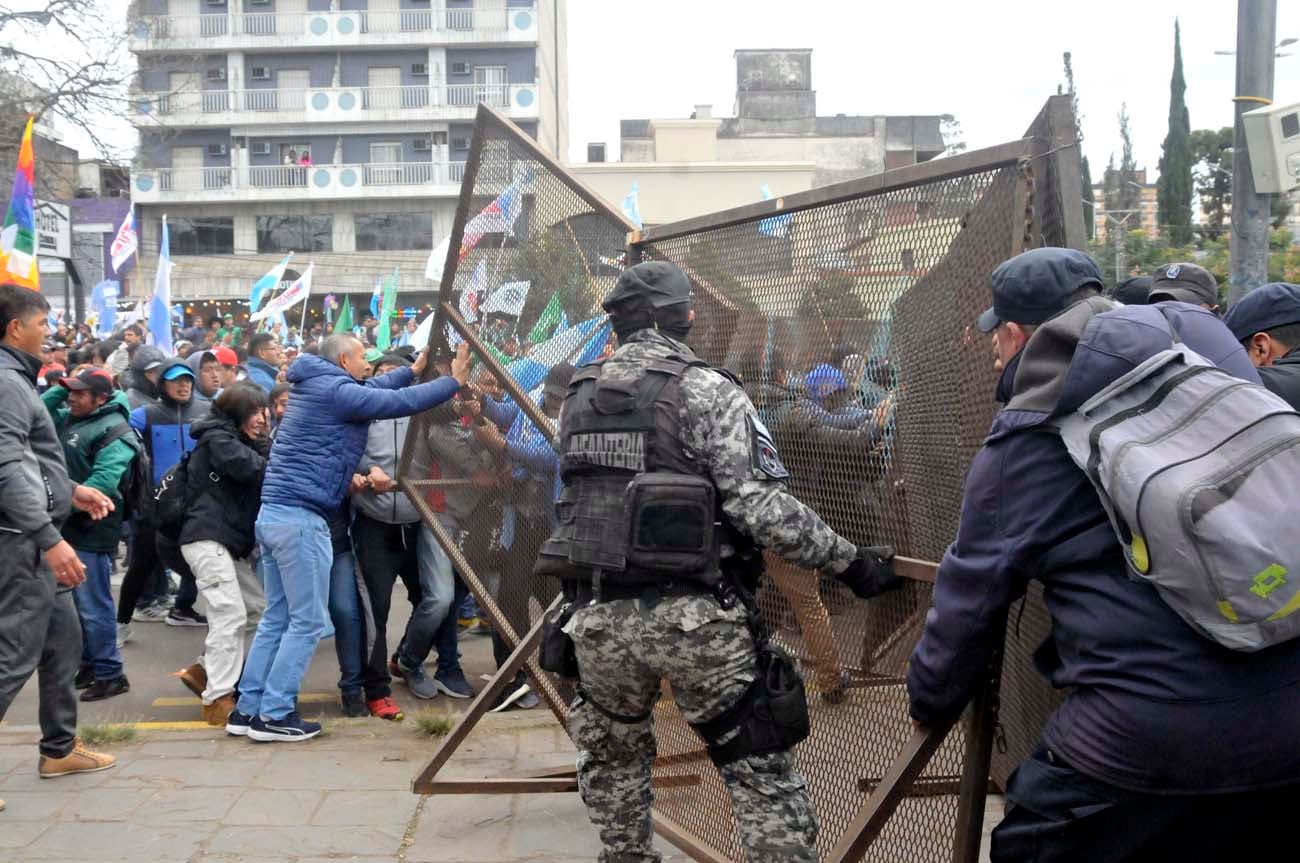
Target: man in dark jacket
x,y
93,422
1267,323
165,428
1136,764
313,460
38,620
264,359
141,378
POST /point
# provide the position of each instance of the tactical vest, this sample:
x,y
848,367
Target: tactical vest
x,y
634,510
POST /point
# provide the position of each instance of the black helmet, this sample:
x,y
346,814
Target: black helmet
x,y
658,283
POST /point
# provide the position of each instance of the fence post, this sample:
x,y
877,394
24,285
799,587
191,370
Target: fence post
x,y
974,787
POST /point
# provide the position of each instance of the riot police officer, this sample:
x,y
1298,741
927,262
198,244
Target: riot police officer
x,y
670,481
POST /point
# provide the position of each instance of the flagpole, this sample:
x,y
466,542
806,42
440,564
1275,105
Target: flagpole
x,y
302,325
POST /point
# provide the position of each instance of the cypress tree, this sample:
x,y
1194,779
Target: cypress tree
x,y
1174,193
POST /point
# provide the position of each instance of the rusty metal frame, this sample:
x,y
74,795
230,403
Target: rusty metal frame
x,y
1051,140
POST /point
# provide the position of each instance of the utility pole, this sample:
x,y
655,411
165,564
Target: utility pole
x,y
1117,232
1256,29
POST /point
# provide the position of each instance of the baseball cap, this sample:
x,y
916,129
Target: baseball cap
x,y
372,355
825,380
1033,286
394,358
1186,283
658,283
225,356
147,358
1132,292
97,381
1265,308
178,370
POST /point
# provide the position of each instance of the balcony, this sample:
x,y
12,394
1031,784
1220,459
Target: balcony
x,y
292,182
333,105
331,29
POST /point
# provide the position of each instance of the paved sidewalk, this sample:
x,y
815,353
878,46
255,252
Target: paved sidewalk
x,y
204,797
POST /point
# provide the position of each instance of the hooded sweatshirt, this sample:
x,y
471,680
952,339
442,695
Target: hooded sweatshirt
x,y
165,426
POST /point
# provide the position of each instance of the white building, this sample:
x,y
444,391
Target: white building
x,y
336,129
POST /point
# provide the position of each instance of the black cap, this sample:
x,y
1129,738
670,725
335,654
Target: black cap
x,y
1186,283
1132,292
1268,307
1033,286
97,381
659,283
392,359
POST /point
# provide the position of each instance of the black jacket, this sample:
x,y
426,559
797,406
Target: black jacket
x,y
1283,378
225,485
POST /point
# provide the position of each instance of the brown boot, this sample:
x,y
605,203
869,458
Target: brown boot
x,y
79,760
219,711
195,678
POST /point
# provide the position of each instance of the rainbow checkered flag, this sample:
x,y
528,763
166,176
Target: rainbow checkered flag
x,y
18,238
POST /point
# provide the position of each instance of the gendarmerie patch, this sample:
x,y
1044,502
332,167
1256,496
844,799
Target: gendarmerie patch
x,y
618,450
763,454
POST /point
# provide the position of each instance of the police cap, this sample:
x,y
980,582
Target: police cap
x,y
657,283
1035,285
1268,307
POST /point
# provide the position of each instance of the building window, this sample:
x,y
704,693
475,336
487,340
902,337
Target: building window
x,y
388,232
280,234
200,236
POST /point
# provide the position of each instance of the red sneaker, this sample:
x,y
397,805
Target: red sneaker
x,y
385,708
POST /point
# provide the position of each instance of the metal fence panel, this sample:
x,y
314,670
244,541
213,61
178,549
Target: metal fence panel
x,y
846,311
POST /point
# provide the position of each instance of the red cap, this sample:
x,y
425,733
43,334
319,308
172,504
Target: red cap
x,y
225,356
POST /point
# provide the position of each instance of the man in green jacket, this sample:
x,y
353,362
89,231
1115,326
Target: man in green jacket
x,y
92,419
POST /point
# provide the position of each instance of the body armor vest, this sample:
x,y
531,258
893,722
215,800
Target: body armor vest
x,y
634,509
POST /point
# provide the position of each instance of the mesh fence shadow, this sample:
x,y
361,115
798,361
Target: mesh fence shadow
x,y
847,313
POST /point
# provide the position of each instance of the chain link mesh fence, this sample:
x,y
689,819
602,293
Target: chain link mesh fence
x,y
847,313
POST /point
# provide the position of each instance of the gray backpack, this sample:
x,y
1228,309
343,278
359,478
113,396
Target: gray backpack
x,y
1200,474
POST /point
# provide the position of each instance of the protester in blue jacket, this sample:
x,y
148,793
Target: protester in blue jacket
x,y
316,451
1168,745
264,359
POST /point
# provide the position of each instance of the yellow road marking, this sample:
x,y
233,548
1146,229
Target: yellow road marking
x,y
194,701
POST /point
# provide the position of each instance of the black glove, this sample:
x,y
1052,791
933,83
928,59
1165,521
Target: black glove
x,y
872,572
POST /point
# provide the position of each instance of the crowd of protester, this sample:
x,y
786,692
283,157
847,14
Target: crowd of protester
x,y
337,410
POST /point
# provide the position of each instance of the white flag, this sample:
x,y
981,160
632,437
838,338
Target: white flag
x,y
292,296
437,259
124,244
508,299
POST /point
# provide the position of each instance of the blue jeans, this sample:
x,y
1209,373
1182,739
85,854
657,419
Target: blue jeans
x,y
94,598
448,642
437,589
297,558
345,614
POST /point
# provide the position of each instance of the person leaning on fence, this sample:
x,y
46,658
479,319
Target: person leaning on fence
x,y
1168,745
681,443
1267,323
313,460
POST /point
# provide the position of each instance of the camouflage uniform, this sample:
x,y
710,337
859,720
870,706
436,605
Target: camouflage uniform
x,y
625,647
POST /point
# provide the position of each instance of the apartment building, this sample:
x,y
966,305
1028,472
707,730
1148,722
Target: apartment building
x,y
336,129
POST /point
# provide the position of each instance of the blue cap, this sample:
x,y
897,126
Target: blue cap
x,y
1265,308
178,371
1033,286
825,380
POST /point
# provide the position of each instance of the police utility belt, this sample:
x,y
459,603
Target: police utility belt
x,y
635,521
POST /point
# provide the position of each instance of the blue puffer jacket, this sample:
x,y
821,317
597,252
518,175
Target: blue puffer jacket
x,y
165,426
1153,705
323,433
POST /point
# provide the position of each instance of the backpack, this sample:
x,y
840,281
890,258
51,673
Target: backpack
x,y
172,498
1197,470
135,486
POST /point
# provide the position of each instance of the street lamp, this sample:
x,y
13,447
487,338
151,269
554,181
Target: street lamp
x,y
1290,40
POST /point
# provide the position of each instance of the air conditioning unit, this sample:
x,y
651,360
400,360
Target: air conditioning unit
x,y
216,149
259,2
421,145
217,74
419,70
460,143
460,68
216,2
260,73
261,148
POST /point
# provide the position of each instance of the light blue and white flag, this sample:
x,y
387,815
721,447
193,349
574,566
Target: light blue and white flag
x,y
632,205
580,344
103,301
773,226
160,321
508,299
267,284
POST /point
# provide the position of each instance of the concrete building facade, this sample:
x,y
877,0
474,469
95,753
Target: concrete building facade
x,y
335,129
777,121
1147,219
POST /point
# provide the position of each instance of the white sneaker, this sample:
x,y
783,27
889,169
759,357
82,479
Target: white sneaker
x,y
123,634
152,613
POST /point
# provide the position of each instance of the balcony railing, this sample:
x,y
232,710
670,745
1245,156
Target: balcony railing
x,y
339,101
324,179
456,23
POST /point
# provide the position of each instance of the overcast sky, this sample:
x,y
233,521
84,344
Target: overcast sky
x,y
991,63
